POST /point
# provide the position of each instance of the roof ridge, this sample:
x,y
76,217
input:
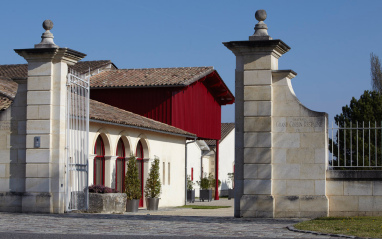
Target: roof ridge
x,y
197,77
155,68
94,60
25,64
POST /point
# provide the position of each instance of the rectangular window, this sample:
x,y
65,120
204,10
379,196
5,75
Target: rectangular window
x,y
192,174
164,173
168,171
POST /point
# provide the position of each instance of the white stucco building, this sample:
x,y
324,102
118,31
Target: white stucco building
x,y
205,151
226,157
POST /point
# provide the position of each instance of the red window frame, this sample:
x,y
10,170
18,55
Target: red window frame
x,y
192,174
99,156
123,159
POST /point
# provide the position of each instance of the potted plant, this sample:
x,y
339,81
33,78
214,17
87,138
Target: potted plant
x,y
132,186
205,189
153,186
190,190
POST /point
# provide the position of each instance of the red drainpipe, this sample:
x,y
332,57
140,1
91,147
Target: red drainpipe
x,y
217,171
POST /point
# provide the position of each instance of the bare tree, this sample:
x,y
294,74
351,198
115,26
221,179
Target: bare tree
x,y
376,73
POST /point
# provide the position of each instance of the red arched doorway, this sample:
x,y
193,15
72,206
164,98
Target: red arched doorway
x,y
140,156
99,162
120,167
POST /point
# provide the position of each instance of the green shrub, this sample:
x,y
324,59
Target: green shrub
x,y
132,182
153,184
208,182
204,183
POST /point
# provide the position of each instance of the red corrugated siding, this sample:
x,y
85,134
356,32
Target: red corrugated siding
x,y
154,103
192,108
195,110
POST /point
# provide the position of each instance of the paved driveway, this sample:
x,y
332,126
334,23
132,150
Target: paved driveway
x,y
165,223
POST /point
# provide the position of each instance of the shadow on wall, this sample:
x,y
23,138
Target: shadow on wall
x,y
113,176
224,185
15,126
17,120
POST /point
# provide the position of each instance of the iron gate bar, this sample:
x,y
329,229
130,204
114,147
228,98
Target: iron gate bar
x,y
77,197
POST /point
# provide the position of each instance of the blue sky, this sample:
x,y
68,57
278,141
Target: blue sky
x,y
330,41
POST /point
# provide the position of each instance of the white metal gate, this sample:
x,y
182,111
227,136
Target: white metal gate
x,y
356,146
77,195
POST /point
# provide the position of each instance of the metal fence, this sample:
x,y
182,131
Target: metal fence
x,y
77,195
356,146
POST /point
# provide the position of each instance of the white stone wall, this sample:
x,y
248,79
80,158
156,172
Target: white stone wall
x,y
226,161
194,155
354,198
169,149
208,164
12,152
354,193
280,145
46,118
299,153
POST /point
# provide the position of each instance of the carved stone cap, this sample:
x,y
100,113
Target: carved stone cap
x,y
51,54
278,47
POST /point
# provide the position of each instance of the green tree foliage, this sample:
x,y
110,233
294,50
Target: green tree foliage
x,y
376,72
367,109
153,184
132,182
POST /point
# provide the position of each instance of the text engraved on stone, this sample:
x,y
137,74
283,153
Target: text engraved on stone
x,y
300,124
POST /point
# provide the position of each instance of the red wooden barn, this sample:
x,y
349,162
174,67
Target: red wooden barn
x,y
189,98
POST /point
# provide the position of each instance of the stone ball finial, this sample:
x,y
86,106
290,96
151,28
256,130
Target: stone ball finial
x,y
47,36
261,28
47,25
261,15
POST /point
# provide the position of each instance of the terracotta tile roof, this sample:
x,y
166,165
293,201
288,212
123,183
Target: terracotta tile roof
x,y
8,89
225,130
180,76
4,103
14,71
84,66
98,111
107,113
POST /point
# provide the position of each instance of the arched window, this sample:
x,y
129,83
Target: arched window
x,y
120,167
139,155
99,162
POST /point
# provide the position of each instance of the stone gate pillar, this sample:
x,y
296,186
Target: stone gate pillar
x,y
280,151
46,123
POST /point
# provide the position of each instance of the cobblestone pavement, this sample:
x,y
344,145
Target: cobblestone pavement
x,y
164,222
